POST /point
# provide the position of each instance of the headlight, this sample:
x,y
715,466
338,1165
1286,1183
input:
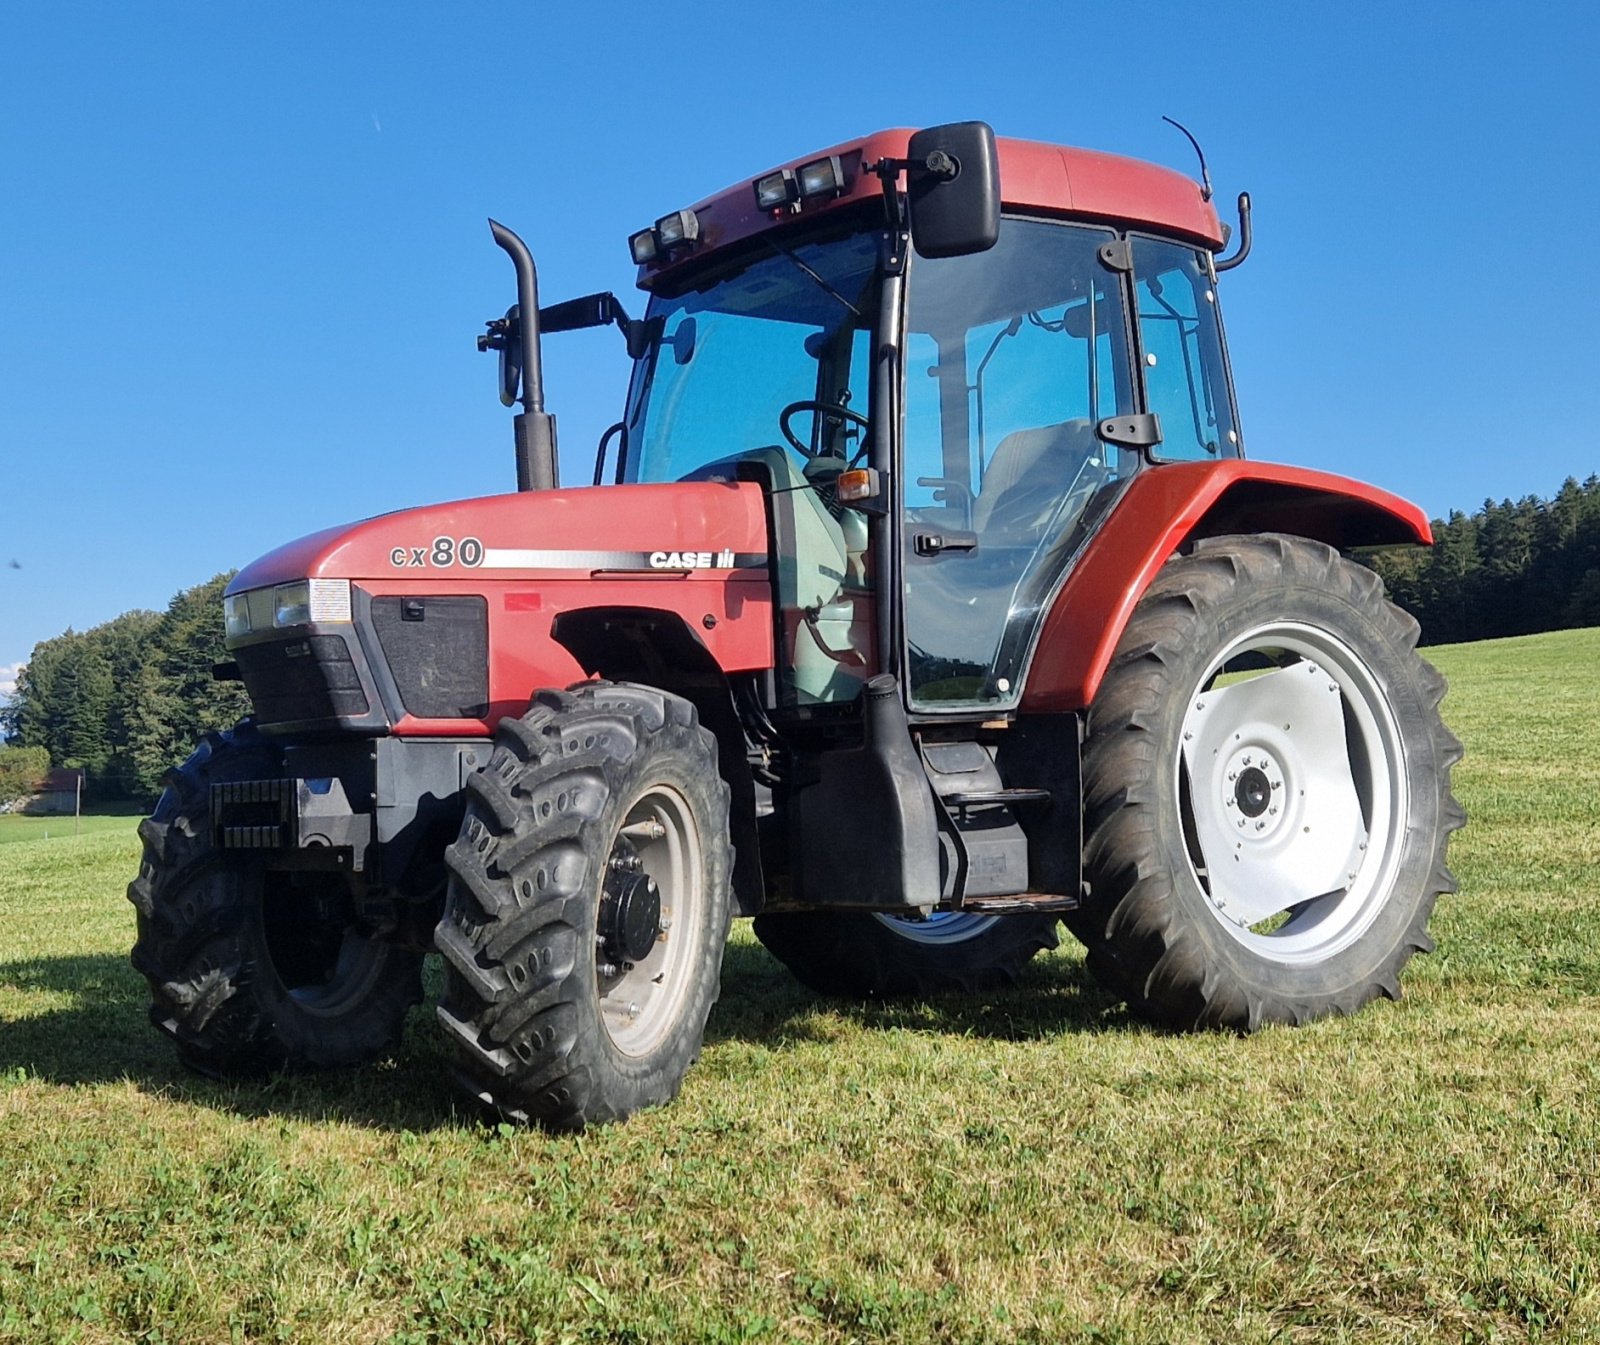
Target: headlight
x,y
291,604
236,615
308,600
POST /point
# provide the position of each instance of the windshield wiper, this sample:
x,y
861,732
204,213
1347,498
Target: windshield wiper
x,y
821,284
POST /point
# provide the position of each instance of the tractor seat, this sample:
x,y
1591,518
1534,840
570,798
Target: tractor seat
x,y
1030,472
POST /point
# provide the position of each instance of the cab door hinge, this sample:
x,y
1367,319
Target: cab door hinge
x,y
1136,431
1116,255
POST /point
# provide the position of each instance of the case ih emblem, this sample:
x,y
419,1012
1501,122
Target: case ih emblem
x,y
691,560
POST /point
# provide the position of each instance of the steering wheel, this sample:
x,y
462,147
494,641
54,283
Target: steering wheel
x,y
834,411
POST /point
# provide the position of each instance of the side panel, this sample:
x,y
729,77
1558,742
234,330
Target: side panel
x,y
1165,507
733,617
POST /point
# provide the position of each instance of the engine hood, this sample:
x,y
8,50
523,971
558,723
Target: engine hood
x,y
682,527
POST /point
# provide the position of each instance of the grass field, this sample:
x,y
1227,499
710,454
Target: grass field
x,y
1038,1167
18,827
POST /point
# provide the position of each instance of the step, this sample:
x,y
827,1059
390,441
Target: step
x,y
975,798
1018,903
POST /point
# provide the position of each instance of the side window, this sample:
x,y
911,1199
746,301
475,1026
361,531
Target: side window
x,y
1180,335
1012,356
924,445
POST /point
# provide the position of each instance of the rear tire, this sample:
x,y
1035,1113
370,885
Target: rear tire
x,y
588,907
249,971
1266,791
868,955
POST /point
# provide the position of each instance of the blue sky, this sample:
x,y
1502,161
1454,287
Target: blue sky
x,y
243,255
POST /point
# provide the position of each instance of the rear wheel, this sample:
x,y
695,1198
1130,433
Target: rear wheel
x,y
588,907
867,954
252,970
1266,787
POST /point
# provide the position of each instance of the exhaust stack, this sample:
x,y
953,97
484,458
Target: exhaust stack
x,y
517,339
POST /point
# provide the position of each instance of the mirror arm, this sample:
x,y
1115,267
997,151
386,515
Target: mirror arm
x,y
1228,263
596,310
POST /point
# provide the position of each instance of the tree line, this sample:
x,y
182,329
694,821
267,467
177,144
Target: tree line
x,y
128,699
1513,568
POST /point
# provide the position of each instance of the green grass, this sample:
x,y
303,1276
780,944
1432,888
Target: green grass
x,y
54,827
1034,1167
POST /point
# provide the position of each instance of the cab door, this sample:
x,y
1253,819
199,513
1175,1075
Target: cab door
x,y
1013,357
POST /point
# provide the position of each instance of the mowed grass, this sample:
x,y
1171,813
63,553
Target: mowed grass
x,y
54,826
1032,1167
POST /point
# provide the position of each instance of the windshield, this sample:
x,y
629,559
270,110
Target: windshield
x,y
790,323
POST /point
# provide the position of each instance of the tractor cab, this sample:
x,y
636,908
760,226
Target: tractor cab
x,y
937,435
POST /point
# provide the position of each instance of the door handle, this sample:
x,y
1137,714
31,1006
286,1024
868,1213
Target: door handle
x,y
934,543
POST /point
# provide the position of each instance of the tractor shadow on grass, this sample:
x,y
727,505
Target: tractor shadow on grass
x,y
762,1002
83,1021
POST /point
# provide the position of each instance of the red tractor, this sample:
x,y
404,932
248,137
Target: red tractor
x,y
923,600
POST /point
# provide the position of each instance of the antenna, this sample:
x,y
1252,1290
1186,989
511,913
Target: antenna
x,y
1205,173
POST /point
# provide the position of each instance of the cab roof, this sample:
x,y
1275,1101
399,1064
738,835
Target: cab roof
x,y
1035,178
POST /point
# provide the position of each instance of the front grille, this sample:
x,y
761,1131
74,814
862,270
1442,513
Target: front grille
x,y
302,680
437,649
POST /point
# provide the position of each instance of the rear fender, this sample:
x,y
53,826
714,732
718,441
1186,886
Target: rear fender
x,y
1166,507
659,648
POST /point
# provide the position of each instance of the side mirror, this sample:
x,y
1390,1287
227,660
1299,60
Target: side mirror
x,y
505,338
953,186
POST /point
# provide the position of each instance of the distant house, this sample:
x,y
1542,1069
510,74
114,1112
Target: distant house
x,y
59,793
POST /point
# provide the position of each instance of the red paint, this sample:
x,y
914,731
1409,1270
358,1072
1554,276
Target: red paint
x,y
680,516
523,656
1034,177
1164,507
700,516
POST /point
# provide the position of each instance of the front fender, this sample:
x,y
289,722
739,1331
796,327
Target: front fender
x,y
1167,506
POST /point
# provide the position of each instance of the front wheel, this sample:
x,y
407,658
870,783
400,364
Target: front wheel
x,y
252,970
587,908
1266,791
867,954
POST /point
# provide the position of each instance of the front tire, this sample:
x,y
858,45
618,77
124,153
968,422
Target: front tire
x,y
588,906
1266,791
870,955
252,971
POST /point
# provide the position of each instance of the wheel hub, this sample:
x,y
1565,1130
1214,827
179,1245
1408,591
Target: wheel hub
x,y
630,911
1252,791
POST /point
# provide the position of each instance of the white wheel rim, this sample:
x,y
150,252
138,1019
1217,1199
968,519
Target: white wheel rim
x,y
1293,793
640,1005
